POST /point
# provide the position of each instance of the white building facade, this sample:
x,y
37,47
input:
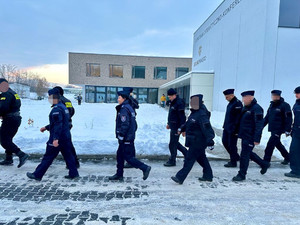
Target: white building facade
x,y
250,44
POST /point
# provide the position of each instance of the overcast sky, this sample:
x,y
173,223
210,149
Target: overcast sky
x,y
38,34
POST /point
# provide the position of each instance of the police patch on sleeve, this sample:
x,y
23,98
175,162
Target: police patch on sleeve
x,y
123,118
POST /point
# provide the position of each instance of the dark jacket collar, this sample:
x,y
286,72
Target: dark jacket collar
x,y
118,107
233,99
175,100
277,102
251,104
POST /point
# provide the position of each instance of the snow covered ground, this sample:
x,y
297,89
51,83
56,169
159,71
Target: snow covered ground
x,y
261,199
94,124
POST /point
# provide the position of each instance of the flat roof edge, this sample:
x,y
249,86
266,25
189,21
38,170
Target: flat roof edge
x,y
170,57
209,16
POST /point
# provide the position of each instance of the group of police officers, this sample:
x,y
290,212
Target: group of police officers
x,y
242,120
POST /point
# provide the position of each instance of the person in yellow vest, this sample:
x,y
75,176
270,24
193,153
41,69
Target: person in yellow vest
x,y
10,104
163,100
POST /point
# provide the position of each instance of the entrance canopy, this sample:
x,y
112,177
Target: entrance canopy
x,y
192,83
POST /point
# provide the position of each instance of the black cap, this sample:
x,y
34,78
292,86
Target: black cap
x,y
245,93
54,92
61,90
128,89
297,90
228,92
171,91
124,94
200,96
3,80
276,92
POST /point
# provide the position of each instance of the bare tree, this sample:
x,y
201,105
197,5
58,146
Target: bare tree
x,y
42,86
7,71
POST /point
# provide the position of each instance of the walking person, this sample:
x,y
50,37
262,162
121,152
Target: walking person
x,y
199,135
135,105
250,128
279,119
230,136
295,144
59,139
10,104
125,133
176,119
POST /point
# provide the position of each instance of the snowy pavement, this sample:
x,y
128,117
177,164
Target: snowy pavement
x,y
261,199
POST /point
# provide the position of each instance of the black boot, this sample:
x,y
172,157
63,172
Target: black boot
x,y
205,179
8,161
238,178
292,175
169,164
116,177
265,168
71,178
22,158
146,173
175,179
231,164
32,176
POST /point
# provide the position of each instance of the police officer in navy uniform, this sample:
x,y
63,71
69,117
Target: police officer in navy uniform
x,y
295,144
250,128
10,104
135,105
279,119
176,119
230,137
125,133
199,135
71,109
59,140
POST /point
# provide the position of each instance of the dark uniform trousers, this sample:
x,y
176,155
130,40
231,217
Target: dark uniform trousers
x,y
229,141
9,128
51,153
295,155
247,154
174,145
195,153
126,151
273,142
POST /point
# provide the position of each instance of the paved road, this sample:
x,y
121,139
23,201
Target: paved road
x,y
261,199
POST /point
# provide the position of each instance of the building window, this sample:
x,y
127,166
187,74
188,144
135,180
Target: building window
x,y
289,13
92,70
181,71
100,94
112,95
138,72
90,94
142,95
160,73
153,95
116,71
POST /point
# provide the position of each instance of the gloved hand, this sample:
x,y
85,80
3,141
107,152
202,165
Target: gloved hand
x,y
179,131
120,138
210,145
